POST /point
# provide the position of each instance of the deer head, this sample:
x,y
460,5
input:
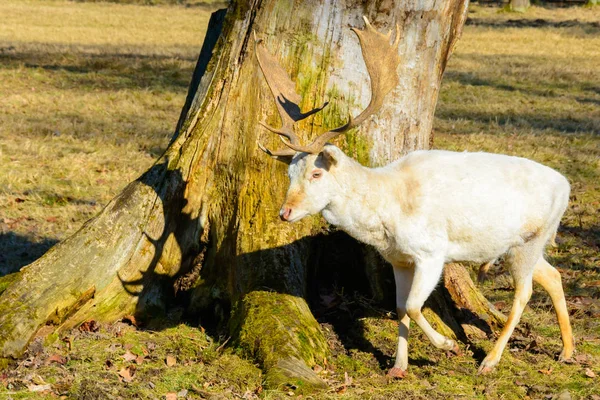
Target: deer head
x,y
312,166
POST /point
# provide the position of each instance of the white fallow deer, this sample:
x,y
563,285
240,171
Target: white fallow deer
x,y
427,208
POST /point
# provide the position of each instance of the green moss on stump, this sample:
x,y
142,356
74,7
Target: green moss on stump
x,y
6,280
281,333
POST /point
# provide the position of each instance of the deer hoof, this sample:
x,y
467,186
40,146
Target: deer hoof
x,y
485,369
565,356
455,351
397,373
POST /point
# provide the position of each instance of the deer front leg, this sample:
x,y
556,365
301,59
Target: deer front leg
x,y
427,274
403,276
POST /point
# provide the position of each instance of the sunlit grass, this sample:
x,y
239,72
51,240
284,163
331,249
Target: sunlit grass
x,y
90,95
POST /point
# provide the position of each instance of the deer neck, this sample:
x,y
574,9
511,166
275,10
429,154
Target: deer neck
x,y
356,207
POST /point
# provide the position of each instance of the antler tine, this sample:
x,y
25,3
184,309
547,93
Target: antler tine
x,y
288,135
278,153
286,98
382,60
281,86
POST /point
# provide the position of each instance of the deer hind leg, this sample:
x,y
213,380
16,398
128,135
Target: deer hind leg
x,y
404,277
549,278
521,261
427,274
482,275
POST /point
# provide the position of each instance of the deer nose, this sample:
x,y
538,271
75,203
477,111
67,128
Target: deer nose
x,y
284,214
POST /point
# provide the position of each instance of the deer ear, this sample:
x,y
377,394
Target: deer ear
x,y
330,156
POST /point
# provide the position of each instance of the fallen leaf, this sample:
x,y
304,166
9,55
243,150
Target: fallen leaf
x,y
139,360
51,219
545,371
129,356
182,393
581,358
564,395
171,396
500,305
39,388
171,360
127,373
589,373
68,341
130,319
538,389
341,390
38,380
113,347
89,326
347,379
330,300
19,200
57,358
592,283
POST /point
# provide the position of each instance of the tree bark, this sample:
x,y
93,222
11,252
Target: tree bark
x,y
203,220
519,5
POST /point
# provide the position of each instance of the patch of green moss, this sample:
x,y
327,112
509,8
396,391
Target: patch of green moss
x,y
4,363
51,339
277,329
357,363
6,280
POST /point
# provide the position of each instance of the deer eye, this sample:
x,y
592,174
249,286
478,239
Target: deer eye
x,y
317,174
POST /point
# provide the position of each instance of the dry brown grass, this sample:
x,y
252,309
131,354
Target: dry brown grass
x,y
92,92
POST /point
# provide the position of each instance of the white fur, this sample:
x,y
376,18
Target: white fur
x,y
434,207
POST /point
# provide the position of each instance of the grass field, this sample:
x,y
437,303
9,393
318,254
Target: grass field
x,y
90,94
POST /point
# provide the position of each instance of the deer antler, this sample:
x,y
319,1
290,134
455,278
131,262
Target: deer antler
x,y
286,98
381,60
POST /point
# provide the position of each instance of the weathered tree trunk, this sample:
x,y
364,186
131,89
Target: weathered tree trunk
x,y
519,5
204,218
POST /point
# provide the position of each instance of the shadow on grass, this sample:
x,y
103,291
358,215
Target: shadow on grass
x,y
521,78
585,238
134,129
95,68
17,251
531,89
564,125
588,27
